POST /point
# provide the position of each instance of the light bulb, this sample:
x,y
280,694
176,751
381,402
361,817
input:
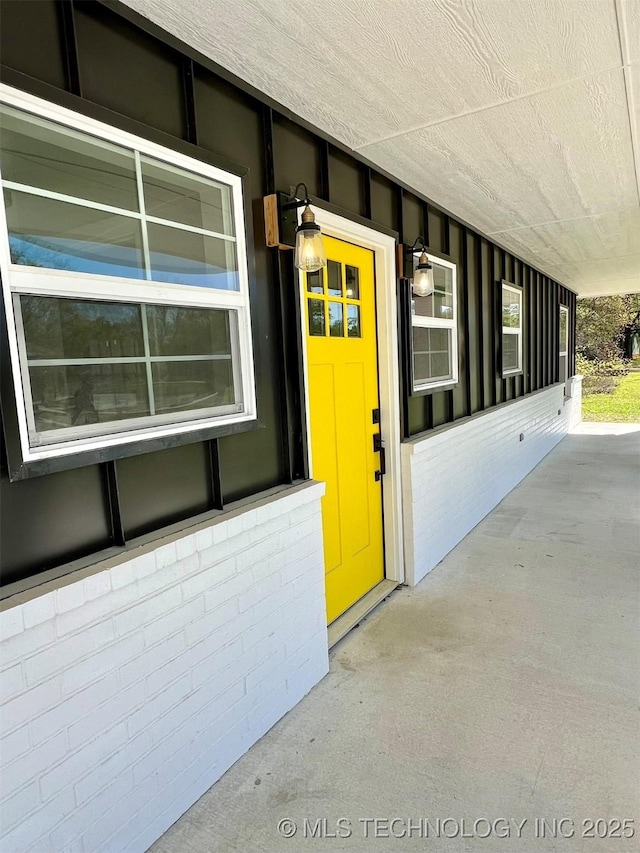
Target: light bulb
x,y
310,255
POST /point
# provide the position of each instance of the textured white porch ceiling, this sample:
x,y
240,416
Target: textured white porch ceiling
x,y
520,116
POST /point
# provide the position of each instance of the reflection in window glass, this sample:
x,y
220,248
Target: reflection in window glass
x,y
90,362
76,237
352,282
353,321
185,257
511,328
175,330
564,328
334,278
62,236
41,154
81,395
57,328
440,303
336,321
112,228
564,344
443,292
180,386
563,368
314,281
510,309
316,317
180,197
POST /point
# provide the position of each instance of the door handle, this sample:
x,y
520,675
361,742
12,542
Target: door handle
x,y
379,448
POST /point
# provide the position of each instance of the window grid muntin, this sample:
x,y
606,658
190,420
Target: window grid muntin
x,y
42,438
442,323
328,297
448,377
231,263
52,282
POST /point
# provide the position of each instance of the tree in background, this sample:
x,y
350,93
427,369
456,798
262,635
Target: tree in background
x,y
603,323
604,327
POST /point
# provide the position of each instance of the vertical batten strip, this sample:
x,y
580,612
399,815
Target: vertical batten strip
x,y
110,473
325,180
467,318
425,223
267,150
480,320
70,47
366,182
447,250
189,100
214,474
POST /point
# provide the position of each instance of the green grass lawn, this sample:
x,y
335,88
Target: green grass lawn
x,y
622,405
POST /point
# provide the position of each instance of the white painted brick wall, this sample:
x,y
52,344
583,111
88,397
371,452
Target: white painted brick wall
x,y
128,693
454,477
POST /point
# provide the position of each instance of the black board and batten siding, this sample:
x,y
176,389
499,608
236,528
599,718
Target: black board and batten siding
x,y
101,59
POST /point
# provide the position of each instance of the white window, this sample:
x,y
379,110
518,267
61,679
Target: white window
x,y
564,343
125,277
511,329
434,323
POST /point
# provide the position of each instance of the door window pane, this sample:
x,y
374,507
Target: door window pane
x,y
353,321
181,197
61,236
334,278
184,257
79,395
316,317
352,281
181,386
57,328
42,154
188,331
336,322
314,281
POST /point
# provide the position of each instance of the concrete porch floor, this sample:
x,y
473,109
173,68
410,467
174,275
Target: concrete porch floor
x,y
504,686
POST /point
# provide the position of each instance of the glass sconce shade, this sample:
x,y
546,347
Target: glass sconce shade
x,y
310,254
423,284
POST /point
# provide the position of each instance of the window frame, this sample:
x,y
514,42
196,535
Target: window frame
x,y
510,330
435,323
563,309
21,279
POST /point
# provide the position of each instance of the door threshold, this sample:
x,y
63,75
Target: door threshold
x,y
341,626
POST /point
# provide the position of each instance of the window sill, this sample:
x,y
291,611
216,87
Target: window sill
x,y
19,469
432,389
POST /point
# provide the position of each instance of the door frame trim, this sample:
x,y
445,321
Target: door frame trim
x,y
384,252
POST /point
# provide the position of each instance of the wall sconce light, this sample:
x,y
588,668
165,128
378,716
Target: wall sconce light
x,y
282,229
422,283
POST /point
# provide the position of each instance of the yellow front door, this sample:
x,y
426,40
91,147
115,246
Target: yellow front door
x,y
343,402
